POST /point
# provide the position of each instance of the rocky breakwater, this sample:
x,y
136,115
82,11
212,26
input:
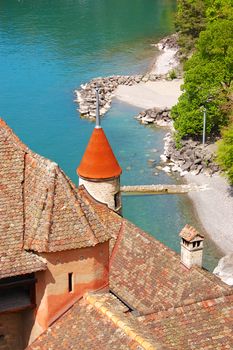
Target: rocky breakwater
x,y
85,96
159,117
191,156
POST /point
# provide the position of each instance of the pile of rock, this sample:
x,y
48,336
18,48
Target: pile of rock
x,y
192,157
169,42
160,117
86,98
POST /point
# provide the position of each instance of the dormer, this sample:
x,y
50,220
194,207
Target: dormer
x,y
191,246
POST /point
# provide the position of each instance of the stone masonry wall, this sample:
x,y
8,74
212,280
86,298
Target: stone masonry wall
x,y
104,191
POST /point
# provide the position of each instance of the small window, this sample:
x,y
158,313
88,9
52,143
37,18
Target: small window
x,y
70,282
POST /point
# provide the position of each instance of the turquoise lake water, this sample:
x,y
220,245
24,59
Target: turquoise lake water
x,y
47,49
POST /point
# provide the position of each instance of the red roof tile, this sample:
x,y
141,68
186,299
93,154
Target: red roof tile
x,y
189,233
40,208
85,327
13,260
149,276
100,321
15,263
98,161
204,325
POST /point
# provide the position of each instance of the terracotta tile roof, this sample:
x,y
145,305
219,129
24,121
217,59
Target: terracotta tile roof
x,y
13,260
205,325
40,208
56,216
189,233
149,276
99,161
101,321
97,322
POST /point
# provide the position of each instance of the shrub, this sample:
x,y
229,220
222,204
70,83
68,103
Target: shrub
x,y
172,74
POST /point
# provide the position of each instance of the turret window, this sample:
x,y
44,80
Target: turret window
x,y
117,200
70,282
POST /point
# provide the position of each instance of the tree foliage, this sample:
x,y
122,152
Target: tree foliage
x,y
208,75
193,16
190,21
225,152
219,9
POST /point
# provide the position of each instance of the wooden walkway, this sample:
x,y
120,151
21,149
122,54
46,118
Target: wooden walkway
x,y
160,189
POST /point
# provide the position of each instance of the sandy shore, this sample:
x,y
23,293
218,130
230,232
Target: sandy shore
x,y
159,94
162,93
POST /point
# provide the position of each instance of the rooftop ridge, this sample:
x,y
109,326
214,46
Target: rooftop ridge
x,y
83,202
121,322
189,233
213,278
14,138
208,303
79,207
18,144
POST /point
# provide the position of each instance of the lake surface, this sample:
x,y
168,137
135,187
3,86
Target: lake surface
x,y
47,49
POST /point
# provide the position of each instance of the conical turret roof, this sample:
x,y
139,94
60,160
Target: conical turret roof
x,y
98,161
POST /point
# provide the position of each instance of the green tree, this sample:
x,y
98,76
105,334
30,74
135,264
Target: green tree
x,y
219,9
225,152
189,22
208,74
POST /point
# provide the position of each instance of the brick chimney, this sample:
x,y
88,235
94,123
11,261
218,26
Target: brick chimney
x,y
191,247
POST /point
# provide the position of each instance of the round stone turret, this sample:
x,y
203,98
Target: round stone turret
x,y
99,170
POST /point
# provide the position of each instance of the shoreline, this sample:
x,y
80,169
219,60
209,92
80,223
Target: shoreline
x,y
214,206
164,92
142,92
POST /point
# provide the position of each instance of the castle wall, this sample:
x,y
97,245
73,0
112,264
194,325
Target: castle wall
x,y
107,191
70,274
